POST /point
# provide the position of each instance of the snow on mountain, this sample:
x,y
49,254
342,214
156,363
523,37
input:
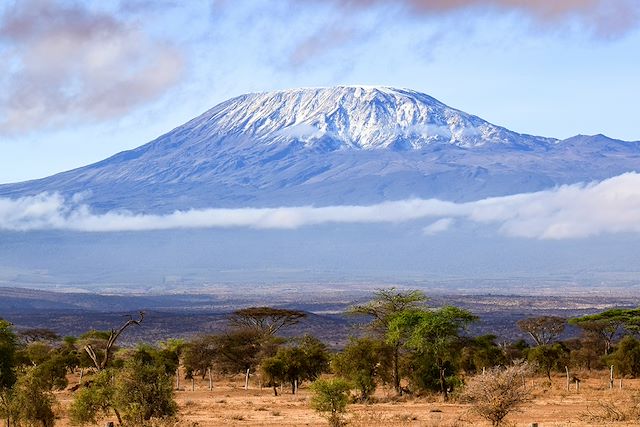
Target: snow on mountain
x,y
353,117
342,145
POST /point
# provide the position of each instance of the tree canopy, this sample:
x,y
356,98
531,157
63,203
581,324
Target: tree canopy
x,y
543,329
609,323
382,309
268,320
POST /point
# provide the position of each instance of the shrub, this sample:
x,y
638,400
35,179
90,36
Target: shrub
x,y
364,362
32,401
498,392
626,357
138,394
330,397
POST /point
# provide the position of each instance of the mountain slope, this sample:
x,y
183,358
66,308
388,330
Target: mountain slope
x,y
333,146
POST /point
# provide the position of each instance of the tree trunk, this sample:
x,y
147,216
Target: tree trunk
x,y
396,370
293,387
443,384
118,416
275,390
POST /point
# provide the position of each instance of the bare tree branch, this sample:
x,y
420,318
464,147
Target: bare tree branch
x,y
113,336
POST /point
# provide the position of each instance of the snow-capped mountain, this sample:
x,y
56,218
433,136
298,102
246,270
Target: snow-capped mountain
x,y
352,117
337,145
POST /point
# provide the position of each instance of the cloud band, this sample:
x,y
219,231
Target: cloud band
x,y
572,211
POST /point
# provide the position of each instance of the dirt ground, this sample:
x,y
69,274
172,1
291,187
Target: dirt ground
x,y
228,404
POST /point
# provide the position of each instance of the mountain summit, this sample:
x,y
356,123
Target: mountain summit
x,y
353,117
342,145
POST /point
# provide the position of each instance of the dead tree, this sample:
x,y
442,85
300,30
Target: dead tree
x,y
113,336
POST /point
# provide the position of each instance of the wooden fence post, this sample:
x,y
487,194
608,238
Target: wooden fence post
x,y
611,377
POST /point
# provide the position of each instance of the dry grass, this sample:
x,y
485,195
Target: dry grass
x,y
622,408
228,404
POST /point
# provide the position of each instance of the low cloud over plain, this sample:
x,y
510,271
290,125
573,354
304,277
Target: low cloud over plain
x,y
567,212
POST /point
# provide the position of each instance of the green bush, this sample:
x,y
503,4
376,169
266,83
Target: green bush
x,y
330,397
626,356
137,394
32,401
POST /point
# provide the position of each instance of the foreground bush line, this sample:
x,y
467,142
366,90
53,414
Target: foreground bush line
x,y
403,344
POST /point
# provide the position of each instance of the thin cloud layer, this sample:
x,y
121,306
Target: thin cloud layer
x,y
573,211
66,63
604,18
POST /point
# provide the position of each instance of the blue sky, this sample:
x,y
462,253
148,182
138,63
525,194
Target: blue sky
x,y
83,80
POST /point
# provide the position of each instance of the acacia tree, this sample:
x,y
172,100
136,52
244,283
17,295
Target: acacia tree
x,y
548,357
295,364
267,320
480,352
39,334
543,329
608,324
382,309
364,362
242,350
586,351
274,370
432,333
199,355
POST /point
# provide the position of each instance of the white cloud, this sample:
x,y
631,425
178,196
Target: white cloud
x,y
66,63
603,18
439,226
572,211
